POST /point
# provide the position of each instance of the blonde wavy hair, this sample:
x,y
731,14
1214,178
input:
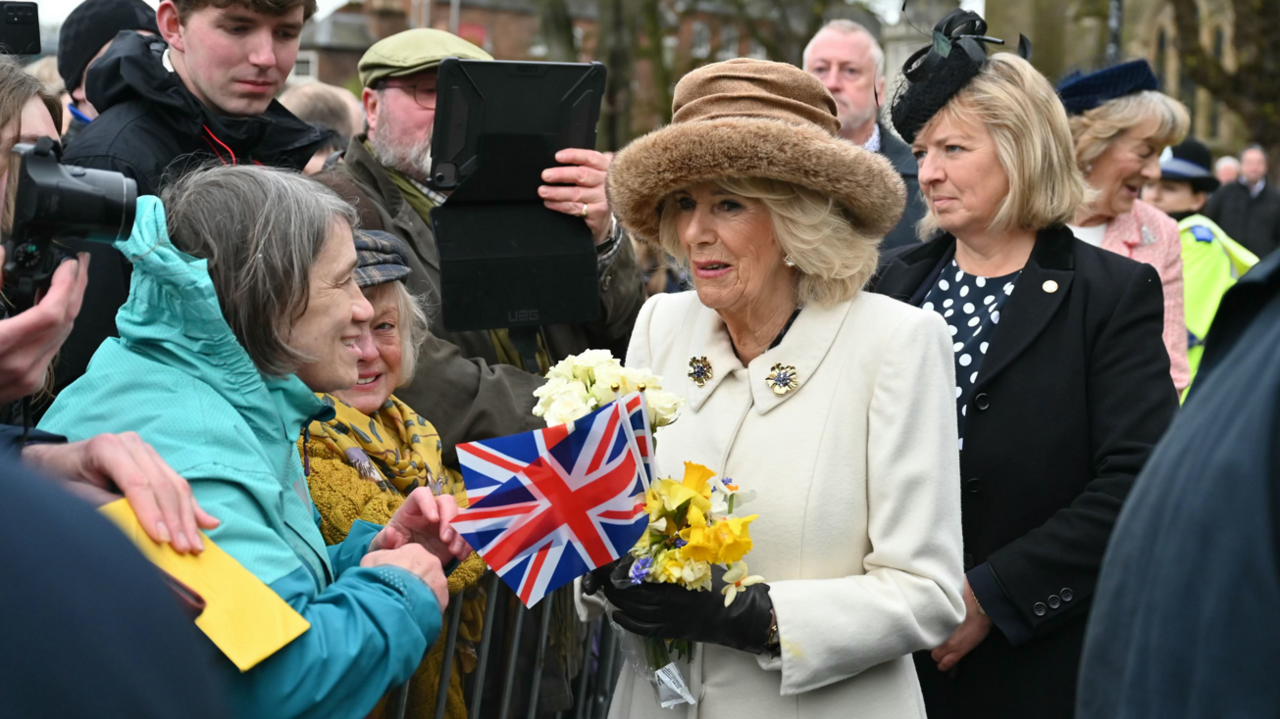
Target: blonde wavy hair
x,y
1095,130
1033,143
833,259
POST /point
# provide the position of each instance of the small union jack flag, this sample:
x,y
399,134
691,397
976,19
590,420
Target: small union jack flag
x,y
548,506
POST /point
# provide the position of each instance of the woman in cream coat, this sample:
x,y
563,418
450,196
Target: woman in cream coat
x,y
833,404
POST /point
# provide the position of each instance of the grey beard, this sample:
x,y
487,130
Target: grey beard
x,y
414,161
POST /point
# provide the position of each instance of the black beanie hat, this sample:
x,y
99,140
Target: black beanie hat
x,y
91,25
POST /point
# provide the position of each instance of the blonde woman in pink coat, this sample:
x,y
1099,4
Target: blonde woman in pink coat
x,y
1121,125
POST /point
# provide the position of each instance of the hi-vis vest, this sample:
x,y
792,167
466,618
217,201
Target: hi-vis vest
x,y
1211,264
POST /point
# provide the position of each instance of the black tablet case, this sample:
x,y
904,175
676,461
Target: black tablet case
x,y
505,259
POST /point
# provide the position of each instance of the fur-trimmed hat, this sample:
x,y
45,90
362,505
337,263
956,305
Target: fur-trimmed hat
x,y
749,118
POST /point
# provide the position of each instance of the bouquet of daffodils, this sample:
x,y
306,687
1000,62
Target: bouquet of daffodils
x,y
692,526
581,384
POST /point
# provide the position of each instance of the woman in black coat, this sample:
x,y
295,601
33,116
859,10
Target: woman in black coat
x,y
1063,383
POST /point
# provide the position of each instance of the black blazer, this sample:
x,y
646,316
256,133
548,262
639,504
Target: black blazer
x,y
899,153
1072,396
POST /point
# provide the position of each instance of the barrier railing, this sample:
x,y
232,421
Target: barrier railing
x,y
592,687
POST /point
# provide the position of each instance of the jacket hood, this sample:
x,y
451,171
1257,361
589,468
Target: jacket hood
x,y
173,316
133,69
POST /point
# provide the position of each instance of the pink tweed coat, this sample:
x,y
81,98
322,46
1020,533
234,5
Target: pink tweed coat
x,y
1148,235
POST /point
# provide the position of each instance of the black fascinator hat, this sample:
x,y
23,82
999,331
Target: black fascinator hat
x,y
935,73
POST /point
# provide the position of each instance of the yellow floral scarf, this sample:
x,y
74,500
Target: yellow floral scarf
x,y
395,448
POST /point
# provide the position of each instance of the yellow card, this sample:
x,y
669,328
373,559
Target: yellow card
x,y
242,616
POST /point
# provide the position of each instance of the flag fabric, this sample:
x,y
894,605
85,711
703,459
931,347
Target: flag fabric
x,y
548,506
638,413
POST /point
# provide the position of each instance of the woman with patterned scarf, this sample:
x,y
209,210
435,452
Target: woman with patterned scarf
x,y
377,449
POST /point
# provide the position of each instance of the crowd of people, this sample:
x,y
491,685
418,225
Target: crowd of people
x,y
832,286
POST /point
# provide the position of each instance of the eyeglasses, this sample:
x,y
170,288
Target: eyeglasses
x,y
423,95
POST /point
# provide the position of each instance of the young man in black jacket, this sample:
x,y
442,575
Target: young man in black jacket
x,y
202,92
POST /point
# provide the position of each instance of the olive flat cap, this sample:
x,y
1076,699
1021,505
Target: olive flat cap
x,y
413,51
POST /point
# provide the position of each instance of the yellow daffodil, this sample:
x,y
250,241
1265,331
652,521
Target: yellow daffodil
x,y
738,579
653,504
695,517
695,479
701,544
675,494
734,537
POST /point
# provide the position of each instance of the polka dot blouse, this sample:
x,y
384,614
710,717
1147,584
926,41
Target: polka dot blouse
x,y
971,306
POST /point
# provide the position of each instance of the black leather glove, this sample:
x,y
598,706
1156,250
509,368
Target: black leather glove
x,y
669,611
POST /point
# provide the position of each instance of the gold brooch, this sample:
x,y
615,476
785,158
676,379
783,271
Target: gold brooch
x,y
782,379
700,370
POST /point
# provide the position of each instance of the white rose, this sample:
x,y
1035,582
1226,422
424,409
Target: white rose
x,y
664,406
561,401
633,378
605,377
586,365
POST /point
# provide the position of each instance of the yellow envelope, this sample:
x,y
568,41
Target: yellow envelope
x,y
242,616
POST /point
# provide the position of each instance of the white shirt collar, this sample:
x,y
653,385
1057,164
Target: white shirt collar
x,y
873,142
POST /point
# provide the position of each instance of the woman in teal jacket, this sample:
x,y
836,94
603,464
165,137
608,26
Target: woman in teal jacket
x,y
229,330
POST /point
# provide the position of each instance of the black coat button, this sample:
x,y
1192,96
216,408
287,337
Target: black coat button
x,y
982,401
1054,601
973,486
1040,609
1067,594
968,561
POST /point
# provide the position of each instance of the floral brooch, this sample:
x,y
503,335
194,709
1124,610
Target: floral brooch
x,y
700,370
782,379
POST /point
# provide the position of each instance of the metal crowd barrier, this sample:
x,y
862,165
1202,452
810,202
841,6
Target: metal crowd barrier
x,y
592,687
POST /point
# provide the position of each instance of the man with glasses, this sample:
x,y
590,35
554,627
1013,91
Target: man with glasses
x,y
470,384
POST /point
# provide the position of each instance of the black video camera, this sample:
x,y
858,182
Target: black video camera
x,y
46,202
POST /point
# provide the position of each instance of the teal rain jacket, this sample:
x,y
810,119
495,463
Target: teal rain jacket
x,y
179,378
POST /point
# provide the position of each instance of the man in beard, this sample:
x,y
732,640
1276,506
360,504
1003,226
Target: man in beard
x,y
848,60
470,385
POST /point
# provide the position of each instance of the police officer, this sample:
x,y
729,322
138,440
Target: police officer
x,y
1211,261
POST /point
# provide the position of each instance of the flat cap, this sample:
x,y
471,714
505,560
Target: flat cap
x,y
413,51
381,257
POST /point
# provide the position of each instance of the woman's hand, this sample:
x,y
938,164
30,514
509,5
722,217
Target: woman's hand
x,y
28,341
966,637
668,611
580,186
421,563
161,499
424,519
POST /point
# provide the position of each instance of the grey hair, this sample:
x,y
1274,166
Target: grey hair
x,y
1226,161
260,229
849,27
411,324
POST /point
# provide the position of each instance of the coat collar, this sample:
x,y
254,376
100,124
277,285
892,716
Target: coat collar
x,y
366,169
1044,284
909,274
804,347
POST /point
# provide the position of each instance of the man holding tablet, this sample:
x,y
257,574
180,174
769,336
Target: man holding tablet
x,y
469,383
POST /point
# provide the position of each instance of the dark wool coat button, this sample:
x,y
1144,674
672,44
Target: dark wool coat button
x,y
968,561
1054,601
1040,609
1067,594
982,401
973,486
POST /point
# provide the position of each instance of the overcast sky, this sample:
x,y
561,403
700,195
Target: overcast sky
x,y
53,11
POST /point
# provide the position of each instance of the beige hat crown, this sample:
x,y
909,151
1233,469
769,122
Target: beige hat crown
x,y
754,88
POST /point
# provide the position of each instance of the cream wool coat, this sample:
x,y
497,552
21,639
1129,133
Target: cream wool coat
x,y
858,484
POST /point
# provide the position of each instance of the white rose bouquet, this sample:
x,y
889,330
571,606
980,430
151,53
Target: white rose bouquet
x,y
581,384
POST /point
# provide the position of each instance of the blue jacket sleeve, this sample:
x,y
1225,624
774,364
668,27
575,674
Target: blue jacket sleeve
x,y
350,551
369,631
11,439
